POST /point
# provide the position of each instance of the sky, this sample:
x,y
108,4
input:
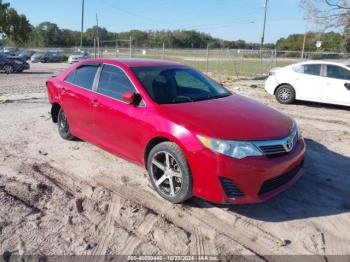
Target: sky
x,y
226,19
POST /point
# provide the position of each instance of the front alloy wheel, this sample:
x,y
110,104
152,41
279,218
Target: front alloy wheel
x,y
8,69
169,172
166,173
285,94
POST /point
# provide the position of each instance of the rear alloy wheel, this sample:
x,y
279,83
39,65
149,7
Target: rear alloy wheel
x,y
9,69
169,172
63,126
285,94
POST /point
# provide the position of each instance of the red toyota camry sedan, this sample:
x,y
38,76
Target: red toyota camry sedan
x,y
194,137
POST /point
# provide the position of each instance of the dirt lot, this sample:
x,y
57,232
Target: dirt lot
x,y
59,197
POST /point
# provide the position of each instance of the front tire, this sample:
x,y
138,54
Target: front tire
x,y
63,126
9,69
169,172
285,94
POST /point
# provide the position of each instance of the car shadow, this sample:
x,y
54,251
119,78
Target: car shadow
x,y
324,190
321,105
36,73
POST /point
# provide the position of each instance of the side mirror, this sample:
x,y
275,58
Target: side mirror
x,y
128,97
347,86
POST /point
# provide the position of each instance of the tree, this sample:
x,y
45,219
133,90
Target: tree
x,y
330,14
47,34
3,15
331,41
16,28
90,35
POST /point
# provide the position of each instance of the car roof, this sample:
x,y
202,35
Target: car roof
x,y
322,62
137,62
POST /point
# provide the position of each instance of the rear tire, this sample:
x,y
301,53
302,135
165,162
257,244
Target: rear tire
x,y
169,172
63,126
285,94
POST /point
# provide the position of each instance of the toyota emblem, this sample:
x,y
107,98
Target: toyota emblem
x,y
289,144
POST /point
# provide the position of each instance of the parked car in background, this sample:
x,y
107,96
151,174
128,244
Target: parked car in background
x,y
11,51
317,81
26,54
192,135
9,64
78,56
45,57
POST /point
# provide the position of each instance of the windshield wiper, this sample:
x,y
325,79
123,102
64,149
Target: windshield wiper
x,y
212,97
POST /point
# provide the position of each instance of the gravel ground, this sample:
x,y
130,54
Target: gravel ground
x,y
60,197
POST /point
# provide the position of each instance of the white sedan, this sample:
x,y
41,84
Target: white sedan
x,y
318,81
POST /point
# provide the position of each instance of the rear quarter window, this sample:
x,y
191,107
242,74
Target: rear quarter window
x,y
83,76
312,69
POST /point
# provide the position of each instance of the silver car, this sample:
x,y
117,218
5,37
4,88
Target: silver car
x,y
78,56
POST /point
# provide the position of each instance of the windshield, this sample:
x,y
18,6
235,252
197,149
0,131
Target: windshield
x,y
169,85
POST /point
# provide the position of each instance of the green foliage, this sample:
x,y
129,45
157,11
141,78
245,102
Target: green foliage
x,y
3,15
47,34
16,28
331,41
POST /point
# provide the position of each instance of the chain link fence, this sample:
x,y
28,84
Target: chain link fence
x,y
223,64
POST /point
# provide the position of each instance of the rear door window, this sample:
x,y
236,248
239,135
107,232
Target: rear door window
x,y
314,69
83,76
338,72
113,82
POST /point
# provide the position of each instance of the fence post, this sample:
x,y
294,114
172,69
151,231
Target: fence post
x,y
275,57
130,47
207,59
116,45
261,62
95,48
163,51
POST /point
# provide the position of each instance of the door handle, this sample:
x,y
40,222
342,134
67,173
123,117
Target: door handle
x,y
95,103
347,86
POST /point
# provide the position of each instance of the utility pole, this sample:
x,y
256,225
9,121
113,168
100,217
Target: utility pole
x,y
207,60
130,46
264,26
97,37
116,45
82,24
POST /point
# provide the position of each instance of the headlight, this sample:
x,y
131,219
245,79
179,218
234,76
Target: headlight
x,y
18,62
236,149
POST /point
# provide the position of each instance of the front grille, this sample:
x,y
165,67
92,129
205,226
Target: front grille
x,y
272,149
231,190
278,146
274,183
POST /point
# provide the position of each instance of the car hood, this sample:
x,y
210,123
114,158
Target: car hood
x,y
234,117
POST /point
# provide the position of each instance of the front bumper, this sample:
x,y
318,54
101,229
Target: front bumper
x,y
26,66
223,179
